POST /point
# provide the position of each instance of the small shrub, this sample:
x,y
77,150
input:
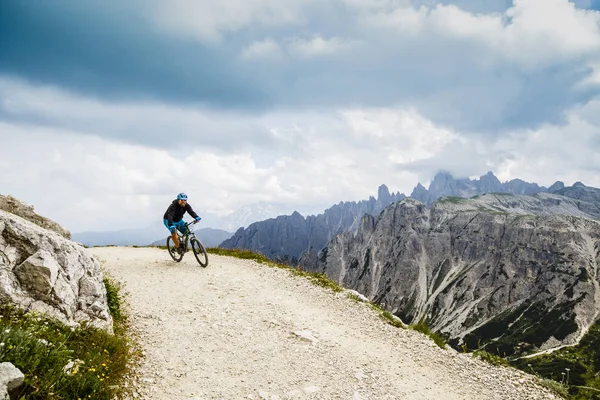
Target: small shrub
x,y
555,387
491,358
422,327
389,317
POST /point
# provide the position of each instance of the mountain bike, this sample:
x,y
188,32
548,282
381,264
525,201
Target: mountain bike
x,y
188,237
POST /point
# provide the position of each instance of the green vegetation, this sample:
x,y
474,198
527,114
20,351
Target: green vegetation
x,y
386,315
452,199
317,278
239,253
577,367
60,362
491,358
556,387
422,327
523,329
113,298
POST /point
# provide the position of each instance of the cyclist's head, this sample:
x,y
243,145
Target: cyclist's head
x,y
182,196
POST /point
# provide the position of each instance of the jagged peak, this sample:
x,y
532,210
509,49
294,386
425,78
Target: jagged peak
x,y
296,214
558,185
578,184
383,193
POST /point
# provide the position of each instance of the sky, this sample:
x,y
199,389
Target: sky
x,y
108,109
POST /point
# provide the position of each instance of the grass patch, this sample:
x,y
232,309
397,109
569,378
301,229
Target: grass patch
x,y
387,316
60,362
422,327
491,358
239,253
114,299
452,199
319,279
555,387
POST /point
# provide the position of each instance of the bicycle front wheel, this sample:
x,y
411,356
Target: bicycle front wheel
x,y
175,255
199,252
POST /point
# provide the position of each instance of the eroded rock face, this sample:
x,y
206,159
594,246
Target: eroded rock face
x,y
43,271
517,272
17,207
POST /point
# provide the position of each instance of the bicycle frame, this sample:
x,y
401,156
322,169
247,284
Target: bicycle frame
x,y
187,235
189,238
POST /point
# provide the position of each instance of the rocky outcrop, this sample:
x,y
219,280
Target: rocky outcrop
x,y
11,379
444,184
43,271
17,207
287,237
513,273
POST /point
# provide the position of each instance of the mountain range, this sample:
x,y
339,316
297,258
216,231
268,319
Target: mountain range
x,y
287,237
508,266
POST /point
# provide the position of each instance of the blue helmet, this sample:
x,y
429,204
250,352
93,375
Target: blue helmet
x,y
182,196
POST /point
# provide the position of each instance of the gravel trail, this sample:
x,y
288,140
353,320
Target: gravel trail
x,y
241,330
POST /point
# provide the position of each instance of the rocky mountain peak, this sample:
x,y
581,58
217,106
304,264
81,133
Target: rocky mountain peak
x,y
383,193
558,185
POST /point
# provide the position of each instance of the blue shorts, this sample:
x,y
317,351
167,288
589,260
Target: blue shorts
x,y
180,225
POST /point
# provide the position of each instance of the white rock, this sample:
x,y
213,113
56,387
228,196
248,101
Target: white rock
x,y
310,389
306,335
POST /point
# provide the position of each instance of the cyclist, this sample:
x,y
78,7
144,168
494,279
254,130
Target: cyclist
x,y
173,217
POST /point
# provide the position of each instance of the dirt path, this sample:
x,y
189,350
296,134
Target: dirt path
x,y
241,330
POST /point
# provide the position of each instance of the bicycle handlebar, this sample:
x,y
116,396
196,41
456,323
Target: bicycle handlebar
x,y
191,223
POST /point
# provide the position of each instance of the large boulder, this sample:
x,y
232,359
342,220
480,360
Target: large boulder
x,y
17,207
11,379
43,271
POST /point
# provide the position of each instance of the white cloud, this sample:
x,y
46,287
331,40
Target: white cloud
x,y
266,48
207,20
405,135
532,32
318,46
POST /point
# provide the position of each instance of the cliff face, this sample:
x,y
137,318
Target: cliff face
x,y
516,273
287,237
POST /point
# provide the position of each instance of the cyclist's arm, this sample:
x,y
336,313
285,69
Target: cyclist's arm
x,y
190,211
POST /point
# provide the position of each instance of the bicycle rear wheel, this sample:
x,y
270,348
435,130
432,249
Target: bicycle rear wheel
x,y
175,255
199,252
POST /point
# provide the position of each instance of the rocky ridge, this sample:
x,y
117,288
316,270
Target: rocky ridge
x,y
15,206
444,184
286,237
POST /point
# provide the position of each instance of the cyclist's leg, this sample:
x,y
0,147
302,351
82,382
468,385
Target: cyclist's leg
x,y
180,225
174,235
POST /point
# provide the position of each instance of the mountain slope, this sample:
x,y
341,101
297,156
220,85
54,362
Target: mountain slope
x,y
516,272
